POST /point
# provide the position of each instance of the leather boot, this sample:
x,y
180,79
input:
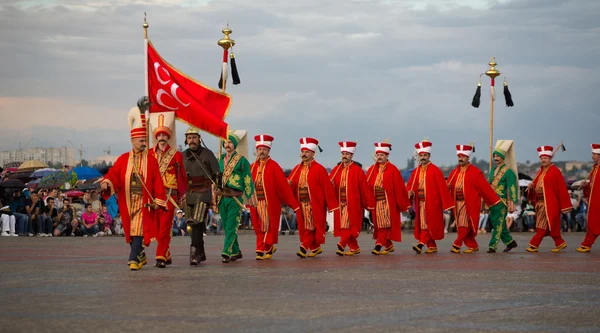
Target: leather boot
x,y
193,256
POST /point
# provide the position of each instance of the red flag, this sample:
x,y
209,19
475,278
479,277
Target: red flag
x,y
193,102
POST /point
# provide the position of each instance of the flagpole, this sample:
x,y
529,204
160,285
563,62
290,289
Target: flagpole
x,y
226,43
146,93
492,73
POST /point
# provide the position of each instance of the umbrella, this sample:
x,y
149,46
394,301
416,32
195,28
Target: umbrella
x,y
88,187
12,183
33,184
524,176
579,184
74,193
524,182
55,179
14,164
40,173
86,173
32,165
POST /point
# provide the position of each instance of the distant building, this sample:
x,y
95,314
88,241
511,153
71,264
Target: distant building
x,y
61,155
106,159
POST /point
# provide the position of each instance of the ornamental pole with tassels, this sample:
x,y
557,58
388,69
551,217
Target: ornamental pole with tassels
x,y
492,73
227,43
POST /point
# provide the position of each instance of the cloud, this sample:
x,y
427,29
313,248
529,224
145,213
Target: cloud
x,y
339,70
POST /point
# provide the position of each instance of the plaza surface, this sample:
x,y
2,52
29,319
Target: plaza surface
x,y
83,285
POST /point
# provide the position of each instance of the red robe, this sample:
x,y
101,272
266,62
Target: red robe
x,y
437,200
475,188
358,197
591,191
556,197
172,171
396,196
119,181
322,196
277,192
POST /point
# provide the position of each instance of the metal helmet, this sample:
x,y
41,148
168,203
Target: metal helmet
x,y
193,130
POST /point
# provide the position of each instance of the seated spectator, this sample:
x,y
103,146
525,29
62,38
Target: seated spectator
x,y
179,224
34,208
7,219
483,219
511,218
529,217
106,220
581,213
118,226
50,217
67,220
89,221
288,220
215,224
96,203
17,208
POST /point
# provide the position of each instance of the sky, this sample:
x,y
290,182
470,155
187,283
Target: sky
x,y
339,70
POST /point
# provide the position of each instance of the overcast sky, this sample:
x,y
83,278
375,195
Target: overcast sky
x,y
334,70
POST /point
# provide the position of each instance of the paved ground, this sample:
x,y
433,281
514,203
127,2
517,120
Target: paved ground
x,y
83,285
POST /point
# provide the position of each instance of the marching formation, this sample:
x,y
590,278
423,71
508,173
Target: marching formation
x,y
152,184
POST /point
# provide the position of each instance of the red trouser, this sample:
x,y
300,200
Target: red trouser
x,y
308,239
589,239
383,237
348,239
261,246
425,239
466,235
540,233
164,231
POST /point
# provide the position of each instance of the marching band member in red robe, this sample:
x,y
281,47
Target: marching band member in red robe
x,y
271,191
391,197
429,189
170,165
353,197
136,180
549,192
591,193
468,186
312,187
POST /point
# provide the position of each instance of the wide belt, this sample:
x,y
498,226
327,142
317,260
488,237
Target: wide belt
x,y
260,192
304,196
460,195
421,194
231,193
343,197
379,194
539,197
199,183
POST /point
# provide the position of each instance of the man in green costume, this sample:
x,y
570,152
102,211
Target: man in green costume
x,y
504,181
237,182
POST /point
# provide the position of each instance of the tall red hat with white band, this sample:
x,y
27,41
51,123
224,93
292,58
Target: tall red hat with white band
x,y
545,151
423,147
465,150
138,127
309,144
596,148
383,147
347,146
264,140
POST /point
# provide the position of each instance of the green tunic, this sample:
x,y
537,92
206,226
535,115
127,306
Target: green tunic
x,y
230,211
506,188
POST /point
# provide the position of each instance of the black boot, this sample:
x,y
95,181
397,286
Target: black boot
x,y
510,246
193,256
226,259
161,263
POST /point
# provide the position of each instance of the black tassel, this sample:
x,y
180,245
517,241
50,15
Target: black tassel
x,y
221,80
508,96
234,71
320,149
477,97
562,147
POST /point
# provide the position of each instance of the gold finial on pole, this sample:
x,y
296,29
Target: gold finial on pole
x,y
145,26
492,73
226,42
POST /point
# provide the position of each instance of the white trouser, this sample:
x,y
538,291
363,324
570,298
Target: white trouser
x,y
8,223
